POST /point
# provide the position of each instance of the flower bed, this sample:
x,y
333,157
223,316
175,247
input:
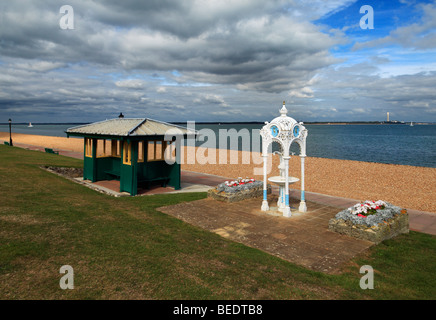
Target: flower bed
x,y
238,190
371,220
249,183
367,208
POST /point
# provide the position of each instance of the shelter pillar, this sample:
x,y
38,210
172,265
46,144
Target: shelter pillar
x,y
287,209
265,206
134,164
303,207
90,160
175,176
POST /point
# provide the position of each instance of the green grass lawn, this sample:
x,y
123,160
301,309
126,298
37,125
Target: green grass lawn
x,y
123,248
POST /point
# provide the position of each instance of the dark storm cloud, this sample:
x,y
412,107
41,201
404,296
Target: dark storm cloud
x,y
204,51
197,59
243,43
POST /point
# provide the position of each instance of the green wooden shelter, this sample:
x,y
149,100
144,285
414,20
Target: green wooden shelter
x,y
133,151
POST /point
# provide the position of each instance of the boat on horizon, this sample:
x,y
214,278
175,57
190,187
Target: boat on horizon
x,y
30,125
411,123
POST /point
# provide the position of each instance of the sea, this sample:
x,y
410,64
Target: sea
x,y
383,143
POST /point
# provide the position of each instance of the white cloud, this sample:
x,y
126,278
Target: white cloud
x,y
130,83
39,66
304,92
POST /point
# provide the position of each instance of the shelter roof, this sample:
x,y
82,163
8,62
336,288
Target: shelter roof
x,y
129,127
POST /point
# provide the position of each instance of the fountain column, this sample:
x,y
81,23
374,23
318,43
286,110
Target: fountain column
x,y
303,207
265,206
281,200
287,209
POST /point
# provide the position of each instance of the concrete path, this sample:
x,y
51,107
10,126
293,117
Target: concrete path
x,y
303,239
419,220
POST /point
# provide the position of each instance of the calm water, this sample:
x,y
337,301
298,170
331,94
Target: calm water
x,y
396,144
56,130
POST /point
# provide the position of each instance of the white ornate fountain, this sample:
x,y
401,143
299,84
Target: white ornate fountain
x,y
284,130
280,181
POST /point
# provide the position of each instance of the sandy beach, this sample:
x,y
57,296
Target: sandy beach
x,y
59,143
405,186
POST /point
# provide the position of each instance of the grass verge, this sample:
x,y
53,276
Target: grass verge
x,y
123,248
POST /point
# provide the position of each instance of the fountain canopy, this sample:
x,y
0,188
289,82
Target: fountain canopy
x,y
284,130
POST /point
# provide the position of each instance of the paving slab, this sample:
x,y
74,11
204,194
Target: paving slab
x,y
303,239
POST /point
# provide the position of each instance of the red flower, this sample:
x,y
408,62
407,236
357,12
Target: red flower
x,y
361,215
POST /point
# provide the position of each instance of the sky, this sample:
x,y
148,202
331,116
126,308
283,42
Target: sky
x,y
217,60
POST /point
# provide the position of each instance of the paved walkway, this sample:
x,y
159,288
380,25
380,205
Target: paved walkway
x,y
303,239
419,220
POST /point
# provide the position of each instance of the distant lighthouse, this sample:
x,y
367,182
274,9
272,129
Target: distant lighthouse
x,y
388,116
